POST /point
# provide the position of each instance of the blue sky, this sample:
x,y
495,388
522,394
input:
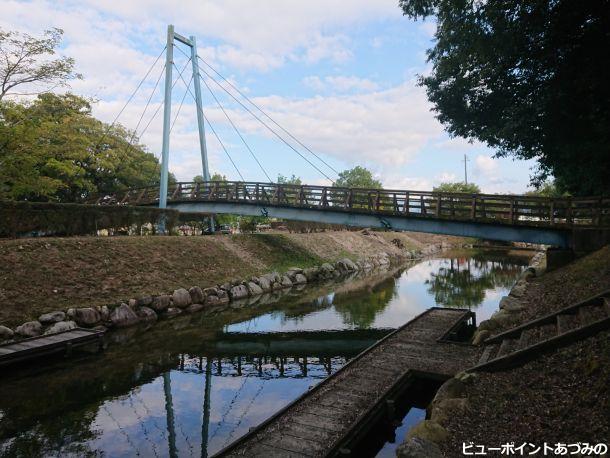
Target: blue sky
x,y
341,76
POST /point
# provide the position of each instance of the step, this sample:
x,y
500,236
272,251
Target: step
x,y
546,332
528,337
591,313
566,322
488,353
508,346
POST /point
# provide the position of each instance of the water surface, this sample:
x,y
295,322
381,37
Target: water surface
x,y
192,385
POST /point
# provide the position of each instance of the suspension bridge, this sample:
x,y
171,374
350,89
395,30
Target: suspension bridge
x,y
561,222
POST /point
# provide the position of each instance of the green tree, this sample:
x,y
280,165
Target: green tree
x,y
528,79
358,177
25,61
281,179
458,186
547,189
54,149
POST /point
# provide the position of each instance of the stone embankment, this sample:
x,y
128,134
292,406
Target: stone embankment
x,y
148,309
451,399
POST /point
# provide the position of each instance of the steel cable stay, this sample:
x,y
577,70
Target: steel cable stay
x,y
131,96
122,430
236,130
229,407
213,130
282,139
152,93
268,117
143,426
243,414
181,103
161,104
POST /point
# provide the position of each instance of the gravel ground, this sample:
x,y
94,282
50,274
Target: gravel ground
x,y
560,397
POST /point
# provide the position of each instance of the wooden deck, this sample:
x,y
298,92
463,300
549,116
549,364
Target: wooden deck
x,y
326,420
34,347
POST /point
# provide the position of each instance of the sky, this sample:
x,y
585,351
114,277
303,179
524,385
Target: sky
x,y
340,76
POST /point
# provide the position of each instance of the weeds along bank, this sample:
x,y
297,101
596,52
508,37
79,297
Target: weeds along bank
x,y
52,284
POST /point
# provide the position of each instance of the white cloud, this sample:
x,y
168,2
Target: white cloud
x,y
384,128
486,166
340,83
445,177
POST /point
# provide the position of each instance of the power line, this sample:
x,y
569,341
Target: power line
x,y
237,131
212,129
268,117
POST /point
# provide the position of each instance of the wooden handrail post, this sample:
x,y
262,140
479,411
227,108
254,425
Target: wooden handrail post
x,y
473,209
407,206
438,205
599,213
552,212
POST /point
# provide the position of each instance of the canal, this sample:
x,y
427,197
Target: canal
x,y
191,385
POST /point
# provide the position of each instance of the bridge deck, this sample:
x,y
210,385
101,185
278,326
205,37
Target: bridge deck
x,y
320,422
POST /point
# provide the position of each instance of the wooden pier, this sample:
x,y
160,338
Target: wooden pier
x,y
328,419
62,342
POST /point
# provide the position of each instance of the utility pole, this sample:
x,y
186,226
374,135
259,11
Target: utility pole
x,y
465,169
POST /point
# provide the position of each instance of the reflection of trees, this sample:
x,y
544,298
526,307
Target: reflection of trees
x,y
463,283
360,308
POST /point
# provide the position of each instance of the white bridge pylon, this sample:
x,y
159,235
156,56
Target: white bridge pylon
x,y
172,36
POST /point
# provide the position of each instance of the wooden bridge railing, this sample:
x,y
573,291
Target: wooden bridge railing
x,y
506,209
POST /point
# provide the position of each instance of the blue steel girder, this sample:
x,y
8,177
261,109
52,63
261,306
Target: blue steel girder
x,y
485,230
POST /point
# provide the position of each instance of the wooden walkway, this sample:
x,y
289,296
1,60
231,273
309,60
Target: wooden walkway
x,y
62,342
325,420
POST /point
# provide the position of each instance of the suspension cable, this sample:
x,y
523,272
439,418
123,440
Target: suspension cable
x,y
267,116
212,129
237,131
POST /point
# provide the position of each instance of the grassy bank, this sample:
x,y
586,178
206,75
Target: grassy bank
x,y
46,274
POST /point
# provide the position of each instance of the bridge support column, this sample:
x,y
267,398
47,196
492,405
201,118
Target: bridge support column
x,y
167,113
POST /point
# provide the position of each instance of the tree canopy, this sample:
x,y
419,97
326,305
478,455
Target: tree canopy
x,y
358,177
529,79
458,186
281,179
53,149
26,61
